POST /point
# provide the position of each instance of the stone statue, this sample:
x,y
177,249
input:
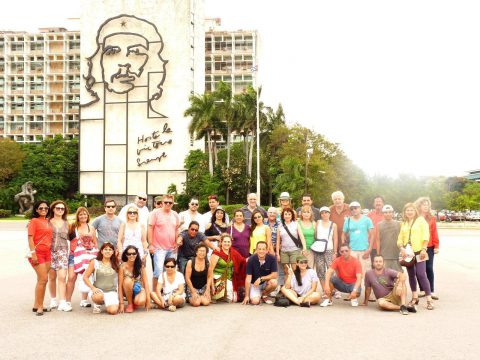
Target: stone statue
x,y
25,198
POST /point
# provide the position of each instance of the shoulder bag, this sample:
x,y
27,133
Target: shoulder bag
x,y
297,242
410,260
319,246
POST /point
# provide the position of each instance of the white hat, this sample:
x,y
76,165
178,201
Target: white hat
x,y
325,208
354,204
387,208
284,196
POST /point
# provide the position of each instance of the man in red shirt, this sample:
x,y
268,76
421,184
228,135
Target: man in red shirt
x,y
162,235
376,215
345,275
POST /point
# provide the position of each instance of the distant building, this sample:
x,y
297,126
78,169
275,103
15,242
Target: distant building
x,y
473,175
39,84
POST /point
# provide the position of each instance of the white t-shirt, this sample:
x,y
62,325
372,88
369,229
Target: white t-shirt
x,y
168,287
307,280
323,233
186,219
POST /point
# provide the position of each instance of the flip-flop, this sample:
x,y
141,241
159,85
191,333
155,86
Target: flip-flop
x,y
44,310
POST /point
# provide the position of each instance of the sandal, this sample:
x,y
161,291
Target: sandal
x,y
267,300
172,308
430,305
35,310
413,302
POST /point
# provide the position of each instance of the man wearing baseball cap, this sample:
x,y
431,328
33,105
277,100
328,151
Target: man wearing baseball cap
x,y
387,235
358,233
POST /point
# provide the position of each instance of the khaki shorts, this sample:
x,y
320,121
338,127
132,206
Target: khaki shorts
x,y
392,297
289,257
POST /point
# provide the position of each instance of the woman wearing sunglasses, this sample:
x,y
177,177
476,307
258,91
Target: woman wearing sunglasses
x,y
59,250
260,232
215,229
132,232
132,281
104,269
39,255
171,286
84,249
301,284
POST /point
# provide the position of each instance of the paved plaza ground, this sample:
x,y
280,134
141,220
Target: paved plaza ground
x,y
233,331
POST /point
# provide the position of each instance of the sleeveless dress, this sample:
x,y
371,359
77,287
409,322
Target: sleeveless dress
x,y
240,240
134,237
59,249
259,234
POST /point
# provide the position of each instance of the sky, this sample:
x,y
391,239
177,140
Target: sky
x,y
396,84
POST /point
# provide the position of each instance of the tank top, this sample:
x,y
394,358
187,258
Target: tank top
x,y
85,240
199,278
129,274
134,237
241,240
59,237
308,234
259,234
221,266
322,233
105,277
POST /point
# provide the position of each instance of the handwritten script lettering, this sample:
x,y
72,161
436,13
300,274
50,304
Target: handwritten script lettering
x,y
147,143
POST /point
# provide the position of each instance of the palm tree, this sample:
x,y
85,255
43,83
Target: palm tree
x,y
204,121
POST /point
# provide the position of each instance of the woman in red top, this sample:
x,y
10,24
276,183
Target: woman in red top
x,y
39,242
424,207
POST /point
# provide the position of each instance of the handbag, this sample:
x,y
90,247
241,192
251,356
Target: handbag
x,y
319,246
297,242
281,301
410,260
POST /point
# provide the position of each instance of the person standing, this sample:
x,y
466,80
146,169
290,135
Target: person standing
x,y
141,204
308,226
359,230
240,233
187,242
107,225
132,232
192,214
285,201
326,230
415,233
376,215
162,235
307,201
39,243
251,206
387,235
424,207
262,274
339,211
213,204
259,232
59,264
290,240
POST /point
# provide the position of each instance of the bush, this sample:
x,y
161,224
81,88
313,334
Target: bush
x,y
5,213
229,209
28,214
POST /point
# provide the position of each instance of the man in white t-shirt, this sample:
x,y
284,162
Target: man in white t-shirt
x,y
141,204
192,214
213,203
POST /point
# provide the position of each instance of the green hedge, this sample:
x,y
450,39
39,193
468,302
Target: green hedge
x,y
5,213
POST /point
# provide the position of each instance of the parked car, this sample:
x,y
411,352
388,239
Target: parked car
x,y
457,216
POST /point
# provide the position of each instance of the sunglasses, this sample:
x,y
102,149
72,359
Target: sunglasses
x,y
168,202
110,206
59,208
194,204
43,208
258,217
132,212
170,266
193,229
132,254
142,198
303,262
158,203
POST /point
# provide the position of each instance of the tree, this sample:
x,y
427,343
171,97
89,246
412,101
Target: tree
x,y
11,159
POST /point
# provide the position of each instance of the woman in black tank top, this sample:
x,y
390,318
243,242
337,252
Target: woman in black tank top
x,y
196,273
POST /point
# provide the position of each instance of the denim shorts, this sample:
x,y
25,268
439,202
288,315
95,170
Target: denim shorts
x,y
71,260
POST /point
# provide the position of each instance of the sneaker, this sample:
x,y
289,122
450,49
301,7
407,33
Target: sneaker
x,y
411,309
85,303
326,302
97,309
403,310
354,302
53,303
61,305
67,307
337,295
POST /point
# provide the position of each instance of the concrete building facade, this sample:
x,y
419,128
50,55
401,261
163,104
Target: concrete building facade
x,y
39,84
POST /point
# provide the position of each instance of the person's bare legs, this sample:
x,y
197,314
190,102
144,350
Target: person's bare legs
x,y
140,299
52,283
128,289
72,278
290,295
313,298
62,284
386,305
42,277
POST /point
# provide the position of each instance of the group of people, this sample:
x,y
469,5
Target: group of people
x,y
307,255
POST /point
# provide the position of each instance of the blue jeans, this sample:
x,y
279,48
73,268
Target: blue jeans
x,y
159,257
342,286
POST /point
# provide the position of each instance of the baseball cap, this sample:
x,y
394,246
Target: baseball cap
x,y
301,258
354,204
325,208
284,196
387,208
158,198
142,195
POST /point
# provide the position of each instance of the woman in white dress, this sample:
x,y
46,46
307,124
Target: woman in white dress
x,y
132,232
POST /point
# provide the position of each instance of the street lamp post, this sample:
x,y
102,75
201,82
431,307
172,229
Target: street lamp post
x,y
258,149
